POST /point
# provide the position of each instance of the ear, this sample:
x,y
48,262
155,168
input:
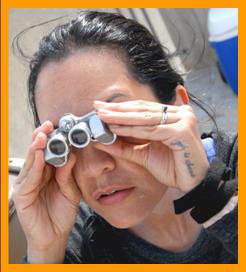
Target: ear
x,y
182,96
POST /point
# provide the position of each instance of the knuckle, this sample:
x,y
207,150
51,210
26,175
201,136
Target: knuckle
x,y
184,128
148,116
191,118
34,134
141,102
151,129
187,108
188,114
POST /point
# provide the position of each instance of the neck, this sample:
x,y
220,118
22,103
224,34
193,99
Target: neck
x,y
167,230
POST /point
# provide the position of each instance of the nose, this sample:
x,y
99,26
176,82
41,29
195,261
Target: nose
x,y
93,162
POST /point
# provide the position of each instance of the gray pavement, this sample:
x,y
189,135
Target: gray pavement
x,y
207,85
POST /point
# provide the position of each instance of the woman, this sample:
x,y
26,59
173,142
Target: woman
x,y
158,194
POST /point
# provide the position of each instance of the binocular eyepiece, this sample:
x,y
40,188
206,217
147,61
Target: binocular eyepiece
x,y
78,132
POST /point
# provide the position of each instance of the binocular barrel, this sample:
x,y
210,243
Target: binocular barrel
x,y
58,145
57,149
79,135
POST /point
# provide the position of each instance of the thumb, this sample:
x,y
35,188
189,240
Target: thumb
x,y
132,152
66,181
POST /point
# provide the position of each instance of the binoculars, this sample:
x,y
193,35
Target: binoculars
x,y
78,132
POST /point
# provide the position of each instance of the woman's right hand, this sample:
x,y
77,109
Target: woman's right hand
x,y
46,200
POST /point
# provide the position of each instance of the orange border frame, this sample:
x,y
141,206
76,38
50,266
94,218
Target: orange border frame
x,y
5,5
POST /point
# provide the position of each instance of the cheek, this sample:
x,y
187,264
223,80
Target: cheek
x,y
146,199
80,179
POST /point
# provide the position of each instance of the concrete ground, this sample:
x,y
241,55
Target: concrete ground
x,y
207,85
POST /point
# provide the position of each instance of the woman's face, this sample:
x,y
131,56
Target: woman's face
x,y
71,86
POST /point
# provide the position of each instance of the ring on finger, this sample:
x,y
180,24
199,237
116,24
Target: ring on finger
x,y
164,115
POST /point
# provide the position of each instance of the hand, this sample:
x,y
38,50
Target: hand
x,y
46,198
173,152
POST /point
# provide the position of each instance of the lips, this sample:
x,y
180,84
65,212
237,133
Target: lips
x,y
112,194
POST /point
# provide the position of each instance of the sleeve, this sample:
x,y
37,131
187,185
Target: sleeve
x,y
213,202
73,249
73,253
224,225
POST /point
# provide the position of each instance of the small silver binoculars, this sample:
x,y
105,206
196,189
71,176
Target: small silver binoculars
x,y
78,132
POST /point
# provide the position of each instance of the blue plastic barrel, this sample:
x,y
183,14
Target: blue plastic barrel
x,y
223,36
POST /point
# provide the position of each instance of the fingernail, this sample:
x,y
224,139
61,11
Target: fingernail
x,y
104,111
46,122
96,102
114,126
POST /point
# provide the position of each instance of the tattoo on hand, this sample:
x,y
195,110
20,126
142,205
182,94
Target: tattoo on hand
x,y
187,155
179,144
190,167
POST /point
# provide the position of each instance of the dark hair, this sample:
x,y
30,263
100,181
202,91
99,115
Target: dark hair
x,y
146,60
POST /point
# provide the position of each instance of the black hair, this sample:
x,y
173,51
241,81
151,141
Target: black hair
x,y
146,59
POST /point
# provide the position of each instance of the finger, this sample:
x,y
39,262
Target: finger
x,y
48,174
135,106
38,144
64,173
153,133
34,178
169,134
137,118
66,181
46,128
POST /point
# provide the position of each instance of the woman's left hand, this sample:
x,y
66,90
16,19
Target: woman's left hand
x,y
172,152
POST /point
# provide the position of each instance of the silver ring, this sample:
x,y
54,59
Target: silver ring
x,y
164,115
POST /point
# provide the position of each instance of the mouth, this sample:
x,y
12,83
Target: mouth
x,y
113,194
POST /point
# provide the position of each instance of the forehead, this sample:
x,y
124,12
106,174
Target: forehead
x,y
72,84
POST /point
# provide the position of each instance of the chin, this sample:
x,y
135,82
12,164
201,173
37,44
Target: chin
x,y
120,225
126,221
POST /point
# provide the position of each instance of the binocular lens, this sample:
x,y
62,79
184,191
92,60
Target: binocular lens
x,y
79,137
57,147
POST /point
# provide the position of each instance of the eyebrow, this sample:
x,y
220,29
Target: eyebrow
x,y
116,95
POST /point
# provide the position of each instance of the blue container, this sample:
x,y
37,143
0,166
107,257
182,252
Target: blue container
x,y
228,58
223,31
